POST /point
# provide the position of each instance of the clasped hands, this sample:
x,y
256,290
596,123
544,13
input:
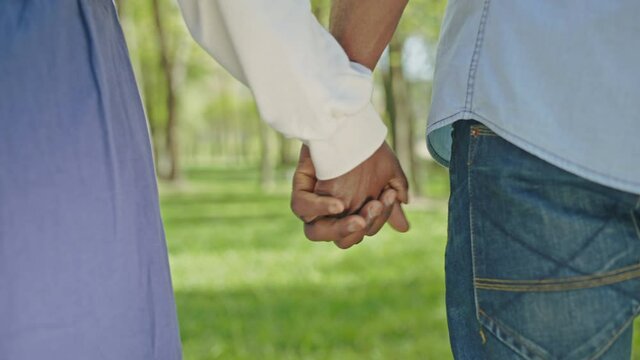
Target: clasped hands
x,y
357,204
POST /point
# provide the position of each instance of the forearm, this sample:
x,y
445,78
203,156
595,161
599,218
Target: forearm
x,y
302,79
364,28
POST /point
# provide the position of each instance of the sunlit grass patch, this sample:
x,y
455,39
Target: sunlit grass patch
x,y
249,286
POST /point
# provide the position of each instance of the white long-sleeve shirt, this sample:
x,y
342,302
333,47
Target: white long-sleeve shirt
x,y
302,80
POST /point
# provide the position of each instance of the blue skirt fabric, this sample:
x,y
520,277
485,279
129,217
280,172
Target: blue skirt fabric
x,y
83,260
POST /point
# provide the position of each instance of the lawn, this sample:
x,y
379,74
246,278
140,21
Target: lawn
x,y
249,286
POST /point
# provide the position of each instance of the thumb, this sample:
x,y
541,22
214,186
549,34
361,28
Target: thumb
x,y
400,184
397,219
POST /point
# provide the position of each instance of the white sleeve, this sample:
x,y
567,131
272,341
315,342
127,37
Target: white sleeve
x,y
302,80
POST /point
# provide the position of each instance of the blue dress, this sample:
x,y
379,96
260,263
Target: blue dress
x,y
83,261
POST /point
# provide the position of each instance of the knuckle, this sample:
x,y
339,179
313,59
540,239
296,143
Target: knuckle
x,y
307,219
404,182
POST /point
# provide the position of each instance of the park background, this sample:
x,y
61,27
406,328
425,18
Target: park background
x,y
248,284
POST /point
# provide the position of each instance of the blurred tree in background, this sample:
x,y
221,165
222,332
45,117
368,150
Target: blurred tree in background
x,y
406,77
199,115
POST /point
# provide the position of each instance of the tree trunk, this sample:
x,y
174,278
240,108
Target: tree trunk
x,y
390,105
287,157
267,163
401,113
317,8
171,138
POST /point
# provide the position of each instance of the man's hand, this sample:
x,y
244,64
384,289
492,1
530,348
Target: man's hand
x,y
358,203
367,180
379,181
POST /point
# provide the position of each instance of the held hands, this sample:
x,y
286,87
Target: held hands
x,y
358,203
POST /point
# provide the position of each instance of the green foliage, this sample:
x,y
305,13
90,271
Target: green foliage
x,y
422,17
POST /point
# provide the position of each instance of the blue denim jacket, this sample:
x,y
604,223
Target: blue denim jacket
x,y
555,78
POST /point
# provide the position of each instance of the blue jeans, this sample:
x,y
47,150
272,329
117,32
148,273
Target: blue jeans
x,y
540,263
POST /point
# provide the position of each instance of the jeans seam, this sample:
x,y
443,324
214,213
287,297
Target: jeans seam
x,y
613,339
629,273
471,229
473,146
564,264
561,280
514,335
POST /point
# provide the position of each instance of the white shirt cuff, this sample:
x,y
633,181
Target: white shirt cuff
x,y
358,136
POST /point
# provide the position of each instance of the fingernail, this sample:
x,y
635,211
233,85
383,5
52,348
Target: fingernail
x,y
336,208
353,227
373,213
389,200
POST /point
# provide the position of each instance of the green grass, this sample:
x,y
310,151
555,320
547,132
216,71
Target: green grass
x,y
250,286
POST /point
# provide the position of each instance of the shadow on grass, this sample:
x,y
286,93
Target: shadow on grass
x,y
400,319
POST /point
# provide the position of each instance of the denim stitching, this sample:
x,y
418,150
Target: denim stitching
x,y
522,346
613,339
473,147
473,67
559,264
430,126
522,341
564,280
481,130
471,229
567,285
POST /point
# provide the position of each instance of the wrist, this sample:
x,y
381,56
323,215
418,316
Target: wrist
x,y
359,136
